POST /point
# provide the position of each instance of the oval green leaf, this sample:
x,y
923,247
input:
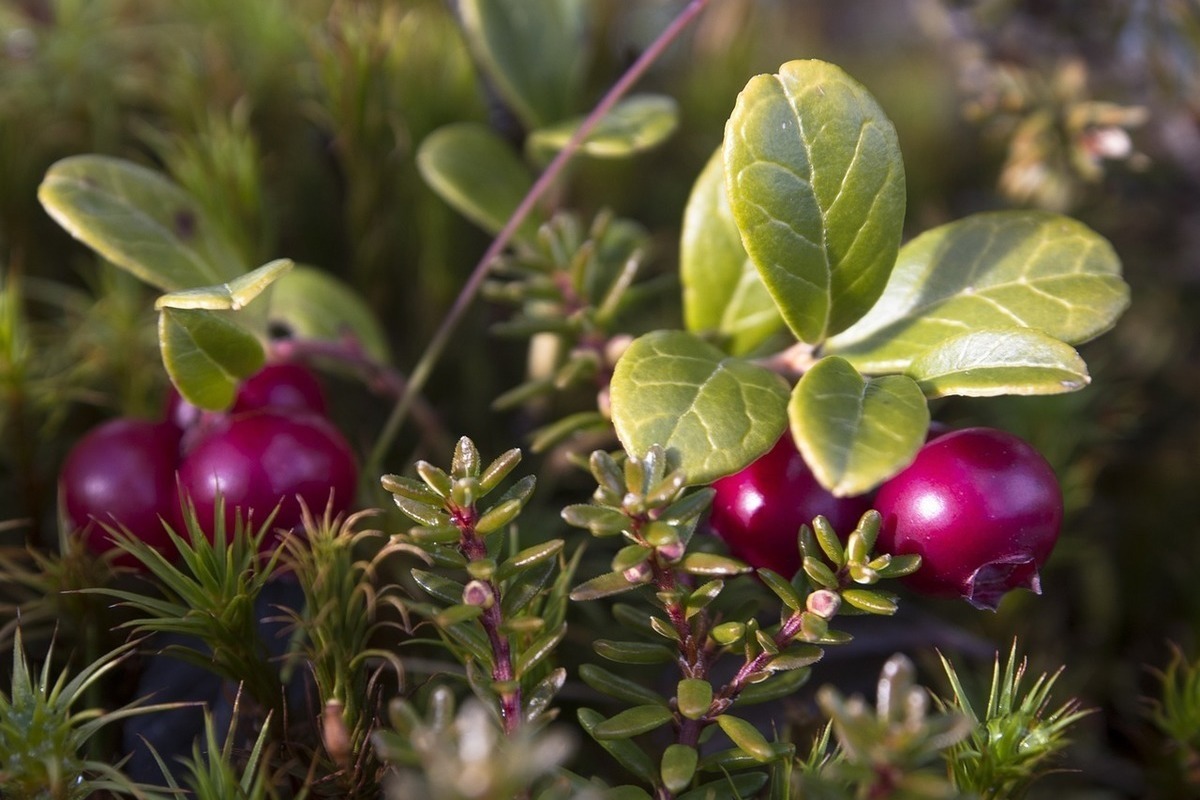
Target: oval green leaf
x,y
678,766
986,363
229,296
535,52
206,354
479,175
637,123
856,432
618,686
747,737
694,697
140,220
722,291
816,185
1001,269
718,412
633,722
310,303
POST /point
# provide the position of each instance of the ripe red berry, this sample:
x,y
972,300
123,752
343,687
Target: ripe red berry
x,y
281,386
981,507
263,458
759,511
122,472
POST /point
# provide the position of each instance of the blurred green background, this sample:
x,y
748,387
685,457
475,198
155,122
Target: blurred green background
x,y
296,123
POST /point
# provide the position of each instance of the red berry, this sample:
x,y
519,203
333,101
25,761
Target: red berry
x,y
981,507
122,472
759,511
281,386
263,458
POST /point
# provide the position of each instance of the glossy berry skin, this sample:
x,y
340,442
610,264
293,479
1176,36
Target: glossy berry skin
x,y
122,472
262,458
285,385
759,511
981,507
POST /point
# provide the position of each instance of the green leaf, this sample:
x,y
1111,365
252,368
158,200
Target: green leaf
x,y
537,651
206,354
229,296
618,686
140,220
535,52
855,432
630,756
605,585
722,291
528,558
985,363
633,652
637,123
694,697
996,270
816,185
713,565
310,303
633,722
719,413
777,686
479,175
746,736
678,766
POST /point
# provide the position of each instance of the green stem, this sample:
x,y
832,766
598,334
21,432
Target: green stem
x,y
424,368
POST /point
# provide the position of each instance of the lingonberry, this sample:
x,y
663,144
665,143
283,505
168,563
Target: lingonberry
x,y
981,507
759,511
265,458
285,385
122,473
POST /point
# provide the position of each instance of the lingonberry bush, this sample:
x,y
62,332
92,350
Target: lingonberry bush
x,y
340,579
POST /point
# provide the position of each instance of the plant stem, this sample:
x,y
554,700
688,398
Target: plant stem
x,y
441,337
474,548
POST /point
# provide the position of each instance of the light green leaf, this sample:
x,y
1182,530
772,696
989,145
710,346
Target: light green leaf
x,y
535,52
138,219
678,766
632,757
206,354
996,270
722,291
479,175
229,296
985,363
312,304
855,432
637,123
747,737
816,185
718,412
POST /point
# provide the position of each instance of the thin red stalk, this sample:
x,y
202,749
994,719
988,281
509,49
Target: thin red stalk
x,y
441,337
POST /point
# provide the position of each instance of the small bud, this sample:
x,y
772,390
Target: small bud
x,y
616,347
671,552
638,573
478,593
824,603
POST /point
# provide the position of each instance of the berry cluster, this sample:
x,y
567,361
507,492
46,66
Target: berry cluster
x,y
273,447
981,507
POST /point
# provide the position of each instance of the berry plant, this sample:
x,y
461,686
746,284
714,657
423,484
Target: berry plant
x,y
641,506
